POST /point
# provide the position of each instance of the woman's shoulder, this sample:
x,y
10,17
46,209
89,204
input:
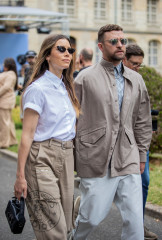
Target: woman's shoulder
x,y
8,75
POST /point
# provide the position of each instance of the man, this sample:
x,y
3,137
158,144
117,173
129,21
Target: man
x,y
84,60
30,58
112,139
133,60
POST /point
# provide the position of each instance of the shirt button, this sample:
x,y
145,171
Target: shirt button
x,y
114,84
116,100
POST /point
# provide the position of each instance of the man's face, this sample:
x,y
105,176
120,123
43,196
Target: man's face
x,y
31,60
113,53
134,62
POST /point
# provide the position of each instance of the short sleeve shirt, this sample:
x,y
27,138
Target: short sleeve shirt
x,y
57,118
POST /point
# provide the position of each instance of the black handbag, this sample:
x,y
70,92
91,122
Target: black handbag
x,y
15,214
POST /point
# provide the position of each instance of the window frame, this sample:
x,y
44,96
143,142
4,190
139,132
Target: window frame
x,y
98,9
150,13
125,11
65,6
153,57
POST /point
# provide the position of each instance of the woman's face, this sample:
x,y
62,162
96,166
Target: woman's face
x,y
58,61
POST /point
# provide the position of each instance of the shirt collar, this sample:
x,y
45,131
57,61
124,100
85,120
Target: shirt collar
x,y
119,68
53,78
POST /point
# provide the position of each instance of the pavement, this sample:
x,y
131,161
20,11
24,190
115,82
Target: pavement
x,y
151,210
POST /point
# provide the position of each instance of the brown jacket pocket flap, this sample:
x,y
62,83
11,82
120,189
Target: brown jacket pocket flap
x,y
93,136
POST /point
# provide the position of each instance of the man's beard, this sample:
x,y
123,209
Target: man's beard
x,y
117,58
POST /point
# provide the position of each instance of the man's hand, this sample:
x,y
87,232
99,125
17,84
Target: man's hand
x,y
142,167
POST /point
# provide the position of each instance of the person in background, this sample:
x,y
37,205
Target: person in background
x,y
8,86
112,139
31,57
84,59
133,59
45,169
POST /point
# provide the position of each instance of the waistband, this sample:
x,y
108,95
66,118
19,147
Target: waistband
x,y
63,144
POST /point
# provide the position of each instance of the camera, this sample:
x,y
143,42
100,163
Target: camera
x,y
154,121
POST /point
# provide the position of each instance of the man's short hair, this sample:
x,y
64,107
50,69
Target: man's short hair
x,y
87,54
107,28
133,49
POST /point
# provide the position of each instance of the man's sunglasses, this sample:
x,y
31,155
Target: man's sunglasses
x,y
115,41
63,49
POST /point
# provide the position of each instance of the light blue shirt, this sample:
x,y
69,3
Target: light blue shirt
x,y
57,118
120,83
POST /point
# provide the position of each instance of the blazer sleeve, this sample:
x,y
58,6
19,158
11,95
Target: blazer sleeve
x,y
78,89
143,124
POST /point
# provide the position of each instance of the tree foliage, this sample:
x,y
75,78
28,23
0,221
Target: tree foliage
x,y
153,81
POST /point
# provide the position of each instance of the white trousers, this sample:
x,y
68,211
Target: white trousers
x,y
97,195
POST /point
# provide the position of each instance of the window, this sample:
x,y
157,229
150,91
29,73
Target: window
x,y
131,41
126,13
100,9
153,53
12,3
151,11
67,6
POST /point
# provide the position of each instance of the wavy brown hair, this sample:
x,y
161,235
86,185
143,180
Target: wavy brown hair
x,y
10,64
41,66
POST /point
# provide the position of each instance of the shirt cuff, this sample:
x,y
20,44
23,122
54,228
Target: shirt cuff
x,y
143,157
32,106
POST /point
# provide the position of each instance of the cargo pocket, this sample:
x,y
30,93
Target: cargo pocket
x,y
43,201
47,184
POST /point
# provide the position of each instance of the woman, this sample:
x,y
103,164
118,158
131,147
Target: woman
x,y
8,84
45,171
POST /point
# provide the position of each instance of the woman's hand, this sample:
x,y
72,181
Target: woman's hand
x,y
20,188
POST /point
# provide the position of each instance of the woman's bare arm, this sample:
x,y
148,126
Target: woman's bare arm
x,y
30,122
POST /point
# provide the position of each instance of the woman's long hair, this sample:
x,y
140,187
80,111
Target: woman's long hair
x,y
41,66
10,65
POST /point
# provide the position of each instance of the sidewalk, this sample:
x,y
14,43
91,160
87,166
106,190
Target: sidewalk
x,y
154,211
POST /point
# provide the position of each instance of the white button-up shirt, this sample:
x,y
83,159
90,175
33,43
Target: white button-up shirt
x,y
48,96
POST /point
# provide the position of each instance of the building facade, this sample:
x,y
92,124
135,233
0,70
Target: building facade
x,y
141,21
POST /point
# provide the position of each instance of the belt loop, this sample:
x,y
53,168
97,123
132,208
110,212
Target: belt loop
x,y
63,145
49,144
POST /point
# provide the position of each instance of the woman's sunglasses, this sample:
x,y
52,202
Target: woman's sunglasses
x,y
63,49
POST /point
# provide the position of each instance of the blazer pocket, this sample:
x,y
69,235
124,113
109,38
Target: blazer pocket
x,y
93,136
91,145
124,147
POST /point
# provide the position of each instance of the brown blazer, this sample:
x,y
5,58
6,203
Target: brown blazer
x,y
104,134
7,94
